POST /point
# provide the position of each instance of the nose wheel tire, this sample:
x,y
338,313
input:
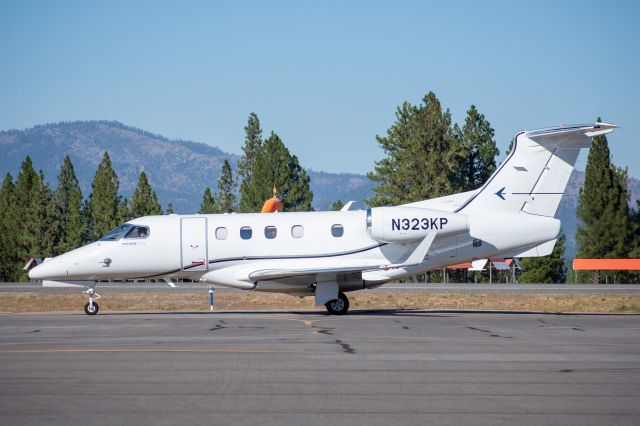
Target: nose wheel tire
x,y
339,306
91,308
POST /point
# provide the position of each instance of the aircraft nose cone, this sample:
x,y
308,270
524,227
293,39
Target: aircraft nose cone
x,y
38,272
45,271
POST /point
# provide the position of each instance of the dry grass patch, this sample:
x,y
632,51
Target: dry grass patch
x,y
15,302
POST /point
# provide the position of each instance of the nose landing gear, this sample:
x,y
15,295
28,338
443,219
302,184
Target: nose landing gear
x,y
91,307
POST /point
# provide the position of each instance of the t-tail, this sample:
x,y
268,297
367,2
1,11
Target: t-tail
x,y
534,176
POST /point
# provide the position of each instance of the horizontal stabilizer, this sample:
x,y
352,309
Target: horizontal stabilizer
x,y
575,136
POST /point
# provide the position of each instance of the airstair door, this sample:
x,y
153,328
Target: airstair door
x,y
193,244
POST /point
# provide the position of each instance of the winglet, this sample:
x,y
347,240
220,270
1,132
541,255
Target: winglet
x,y
601,129
347,206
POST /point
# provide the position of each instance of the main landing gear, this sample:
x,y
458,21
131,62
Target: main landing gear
x,y
339,306
91,308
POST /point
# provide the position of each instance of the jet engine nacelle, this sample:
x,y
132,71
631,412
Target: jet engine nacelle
x,y
411,224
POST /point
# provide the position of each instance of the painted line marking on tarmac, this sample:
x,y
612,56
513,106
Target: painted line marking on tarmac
x,y
139,350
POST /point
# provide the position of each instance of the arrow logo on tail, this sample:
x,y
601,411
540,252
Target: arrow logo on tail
x,y
500,193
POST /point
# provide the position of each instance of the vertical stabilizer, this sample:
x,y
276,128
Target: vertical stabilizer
x,y
536,172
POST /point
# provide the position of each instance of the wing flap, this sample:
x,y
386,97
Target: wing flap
x,y
274,274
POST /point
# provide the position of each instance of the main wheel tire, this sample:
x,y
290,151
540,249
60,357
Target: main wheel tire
x,y
91,309
339,306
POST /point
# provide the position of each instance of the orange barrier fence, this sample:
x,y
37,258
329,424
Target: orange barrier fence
x,y
606,264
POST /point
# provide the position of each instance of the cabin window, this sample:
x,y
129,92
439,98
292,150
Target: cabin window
x,y
297,231
337,230
222,233
116,234
246,232
270,232
138,232
477,242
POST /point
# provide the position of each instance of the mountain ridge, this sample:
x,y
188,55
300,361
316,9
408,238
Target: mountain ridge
x,y
178,170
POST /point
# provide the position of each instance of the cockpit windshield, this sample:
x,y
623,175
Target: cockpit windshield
x,y
127,231
117,233
137,232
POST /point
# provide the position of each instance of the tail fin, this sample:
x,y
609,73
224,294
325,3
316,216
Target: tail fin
x,y
536,172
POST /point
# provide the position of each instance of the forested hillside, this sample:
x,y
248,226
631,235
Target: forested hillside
x,y
178,170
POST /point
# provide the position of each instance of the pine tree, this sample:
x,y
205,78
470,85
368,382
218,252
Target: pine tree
x,y
635,231
226,190
423,155
69,200
478,150
545,269
275,166
34,218
208,205
26,184
252,143
103,207
337,205
298,196
9,262
124,213
604,226
144,201
42,224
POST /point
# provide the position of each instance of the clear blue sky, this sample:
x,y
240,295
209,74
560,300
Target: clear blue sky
x,y
326,76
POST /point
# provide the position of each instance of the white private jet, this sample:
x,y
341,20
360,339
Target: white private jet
x,y
327,254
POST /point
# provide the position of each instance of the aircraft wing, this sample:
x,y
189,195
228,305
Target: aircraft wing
x,y
245,276
415,258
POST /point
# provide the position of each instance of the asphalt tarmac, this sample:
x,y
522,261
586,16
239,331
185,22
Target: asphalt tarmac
x,y
279,368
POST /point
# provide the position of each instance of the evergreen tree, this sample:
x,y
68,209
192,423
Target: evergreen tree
x,y
423,155
635,231
144,201
275,166
69,200
297,195
604,226
545,269
124,213
34,219
103,206
478,150
9,262
26,183
42,223
252,143
226,190
337,205
208,205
